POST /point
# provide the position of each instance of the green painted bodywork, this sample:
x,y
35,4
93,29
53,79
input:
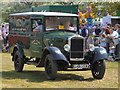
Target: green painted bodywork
x,y
33,43
61,34
57,39
54,8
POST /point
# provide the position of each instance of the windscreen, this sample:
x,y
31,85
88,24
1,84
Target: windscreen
x,y
61,23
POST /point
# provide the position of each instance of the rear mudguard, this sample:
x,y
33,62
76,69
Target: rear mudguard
x,y
19,48
98,54
57,55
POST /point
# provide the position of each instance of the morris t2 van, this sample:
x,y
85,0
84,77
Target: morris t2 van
x,y
57,46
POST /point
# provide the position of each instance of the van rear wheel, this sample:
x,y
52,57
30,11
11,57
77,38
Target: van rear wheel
x,y
18,62
50,67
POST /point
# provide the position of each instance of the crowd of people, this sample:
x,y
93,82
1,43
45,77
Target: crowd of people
x,y
107,37
4,31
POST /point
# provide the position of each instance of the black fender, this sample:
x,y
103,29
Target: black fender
x,y
98,54
57,55
19,48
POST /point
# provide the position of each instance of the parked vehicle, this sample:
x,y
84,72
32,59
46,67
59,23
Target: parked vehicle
x,y
58,46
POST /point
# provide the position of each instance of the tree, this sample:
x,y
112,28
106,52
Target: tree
x,y
15,7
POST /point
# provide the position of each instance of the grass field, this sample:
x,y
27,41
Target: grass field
x,y
33,77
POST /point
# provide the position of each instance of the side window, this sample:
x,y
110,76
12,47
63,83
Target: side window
x,y
37,25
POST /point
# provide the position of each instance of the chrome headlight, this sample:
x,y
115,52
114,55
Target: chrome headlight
x,y
91,47
67,47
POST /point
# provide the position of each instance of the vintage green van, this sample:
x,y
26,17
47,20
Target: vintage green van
x,y
57,46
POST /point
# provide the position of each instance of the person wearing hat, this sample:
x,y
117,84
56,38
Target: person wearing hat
x,y
39,27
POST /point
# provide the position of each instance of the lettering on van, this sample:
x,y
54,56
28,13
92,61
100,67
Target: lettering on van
x,y
19,23
18,29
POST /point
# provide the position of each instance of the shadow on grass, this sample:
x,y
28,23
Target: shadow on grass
x,y
39,76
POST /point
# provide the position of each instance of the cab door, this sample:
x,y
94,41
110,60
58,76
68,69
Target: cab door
x,y
36,38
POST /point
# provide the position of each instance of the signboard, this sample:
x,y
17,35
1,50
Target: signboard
x,y
106,20
61,26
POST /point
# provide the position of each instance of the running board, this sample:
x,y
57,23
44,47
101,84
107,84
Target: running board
x,y
32,63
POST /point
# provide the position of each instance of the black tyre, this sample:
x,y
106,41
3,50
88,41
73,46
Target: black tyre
x,y
98,69
18,62
50,68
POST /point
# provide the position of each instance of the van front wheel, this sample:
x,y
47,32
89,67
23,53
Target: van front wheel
x,y
98,69
50,67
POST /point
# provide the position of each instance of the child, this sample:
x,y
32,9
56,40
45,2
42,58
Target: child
x,y
112,46
102,41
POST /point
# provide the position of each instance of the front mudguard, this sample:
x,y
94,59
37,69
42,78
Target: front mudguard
x,y
98,54
57,55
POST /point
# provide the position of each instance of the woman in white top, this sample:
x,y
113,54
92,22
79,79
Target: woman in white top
x,y
114,35
115,41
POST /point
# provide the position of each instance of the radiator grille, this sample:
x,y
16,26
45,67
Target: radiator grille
x,y
77,48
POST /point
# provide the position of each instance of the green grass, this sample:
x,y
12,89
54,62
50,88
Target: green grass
x,y
33,77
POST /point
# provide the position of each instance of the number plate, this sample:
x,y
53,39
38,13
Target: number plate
x,y
81,66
